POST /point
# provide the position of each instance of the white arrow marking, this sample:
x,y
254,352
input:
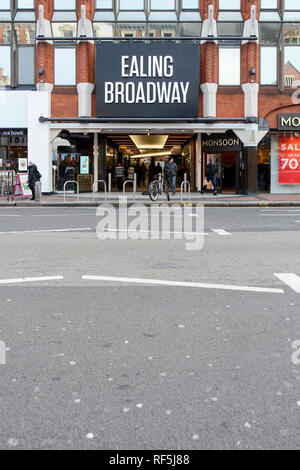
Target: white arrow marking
x,y
221,232
290,279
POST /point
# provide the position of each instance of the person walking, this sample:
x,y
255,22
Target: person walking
x,y
171,170
33,176
119,175
211,171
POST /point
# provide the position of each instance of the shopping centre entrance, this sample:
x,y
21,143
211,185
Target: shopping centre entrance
x,y
143,155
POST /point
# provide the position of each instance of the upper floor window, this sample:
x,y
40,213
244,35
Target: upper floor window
x,y
64,4
163,10
64,10
292,10
132,10
25,4
229,4
104,4
17,54
229,65
269,4
190,4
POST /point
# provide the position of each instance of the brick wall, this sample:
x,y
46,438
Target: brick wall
x,y
230,100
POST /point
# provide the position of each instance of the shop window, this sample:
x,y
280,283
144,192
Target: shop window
x,y
64,65
229,65
268,65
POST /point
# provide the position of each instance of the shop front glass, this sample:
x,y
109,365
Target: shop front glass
x,y
13,150
264,164
72,160
285,163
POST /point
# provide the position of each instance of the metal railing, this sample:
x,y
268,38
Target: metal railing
x,y
133,187
94,188
183,188
77,186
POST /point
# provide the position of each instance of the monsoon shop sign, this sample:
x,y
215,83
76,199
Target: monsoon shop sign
x,y
288,122
147,80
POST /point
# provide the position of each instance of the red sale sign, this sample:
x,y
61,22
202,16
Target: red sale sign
x,y
289,159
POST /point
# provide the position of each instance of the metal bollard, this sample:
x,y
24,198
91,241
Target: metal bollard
x,y
38,191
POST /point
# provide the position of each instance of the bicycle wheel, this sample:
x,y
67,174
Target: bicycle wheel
x,y
153,191
166,190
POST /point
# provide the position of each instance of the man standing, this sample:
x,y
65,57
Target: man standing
x,y
171,170
33,176
211,171
120,176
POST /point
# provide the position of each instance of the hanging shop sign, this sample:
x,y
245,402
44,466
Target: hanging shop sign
x,y
289,159
147,80
289,122
84,165
218,143
21,187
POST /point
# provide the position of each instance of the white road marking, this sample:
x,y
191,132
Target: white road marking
x,y
50,230
220,231
182,284
10,215
31,279
117,230
290,279
63,215
278,215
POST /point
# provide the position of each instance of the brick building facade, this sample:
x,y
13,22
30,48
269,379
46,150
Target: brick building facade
x,y
250,80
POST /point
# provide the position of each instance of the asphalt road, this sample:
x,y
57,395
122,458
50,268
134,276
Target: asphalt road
x,y
110,362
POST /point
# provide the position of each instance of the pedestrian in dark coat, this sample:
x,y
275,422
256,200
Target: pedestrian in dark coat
x,y
33,176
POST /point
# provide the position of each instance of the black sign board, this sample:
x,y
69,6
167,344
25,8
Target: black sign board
x,y
218,143
288,122
12,132
137,80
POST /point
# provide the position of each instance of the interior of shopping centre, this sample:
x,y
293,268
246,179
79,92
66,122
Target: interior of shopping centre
x,y
142,154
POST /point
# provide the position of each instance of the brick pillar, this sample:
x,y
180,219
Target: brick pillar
x,y
209,53
85,58
44,49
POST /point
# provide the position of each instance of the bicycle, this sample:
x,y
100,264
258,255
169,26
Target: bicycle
x,y
157,187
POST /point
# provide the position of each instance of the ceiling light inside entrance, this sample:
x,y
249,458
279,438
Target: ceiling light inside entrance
x,y
143,142
157,154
